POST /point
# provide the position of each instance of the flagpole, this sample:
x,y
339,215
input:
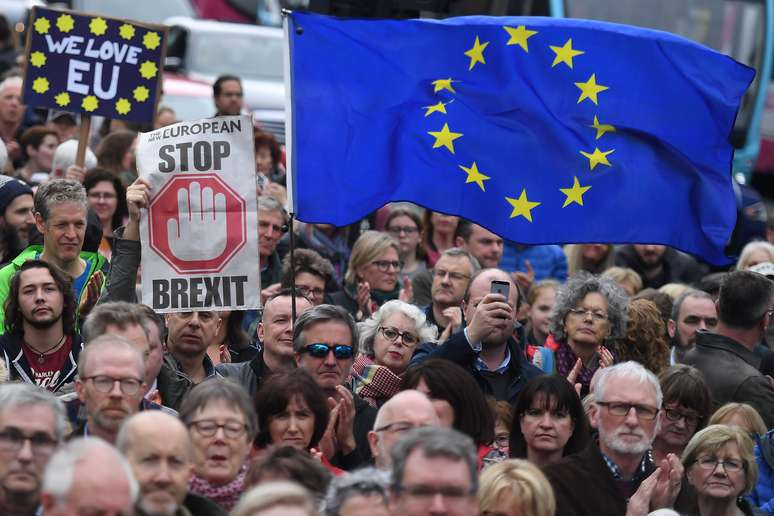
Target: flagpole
x,y
289,165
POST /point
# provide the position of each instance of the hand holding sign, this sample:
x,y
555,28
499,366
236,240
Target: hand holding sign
x,y
200,213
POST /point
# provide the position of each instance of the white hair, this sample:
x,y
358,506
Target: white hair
x,y
11,81
3,156
60,471
633,370
64,157
425,331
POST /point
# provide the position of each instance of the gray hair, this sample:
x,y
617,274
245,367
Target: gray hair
x,y
434,442
456,252
273,494
13,395
216,389
14,80
116,313
3,157
59,191
266,203
64,157
60,471
108,343
578,287
321,314
678,304
427,332
632,370
750,248
362,482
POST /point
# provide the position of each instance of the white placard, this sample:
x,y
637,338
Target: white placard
x,y
200,232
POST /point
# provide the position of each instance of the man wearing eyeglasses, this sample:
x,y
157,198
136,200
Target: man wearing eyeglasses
x,y
32,425
619,470
111,385
725,356
405,411
323,340
451,277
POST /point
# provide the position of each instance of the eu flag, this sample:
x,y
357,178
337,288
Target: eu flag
x,y
542,130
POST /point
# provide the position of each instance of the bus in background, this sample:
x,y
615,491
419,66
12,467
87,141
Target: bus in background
x,y
742,29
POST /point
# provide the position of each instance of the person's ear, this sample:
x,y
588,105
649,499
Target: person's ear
x,y
373,443
671,328
40,223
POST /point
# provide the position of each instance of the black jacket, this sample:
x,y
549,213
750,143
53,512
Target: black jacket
x,y
365,415
678,267
732,374
458,350
249,375
18,368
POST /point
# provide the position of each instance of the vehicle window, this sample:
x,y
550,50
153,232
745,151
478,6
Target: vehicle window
x,y
217,54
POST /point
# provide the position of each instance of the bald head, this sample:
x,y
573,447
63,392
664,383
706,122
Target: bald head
x,y
407,409
158,448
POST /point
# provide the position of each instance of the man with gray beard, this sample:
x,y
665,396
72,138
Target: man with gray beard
x,y
616,475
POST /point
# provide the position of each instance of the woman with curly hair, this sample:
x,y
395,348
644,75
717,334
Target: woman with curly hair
x,y
589,314
645,338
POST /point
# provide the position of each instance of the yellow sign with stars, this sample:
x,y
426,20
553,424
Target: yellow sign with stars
x,y
93,64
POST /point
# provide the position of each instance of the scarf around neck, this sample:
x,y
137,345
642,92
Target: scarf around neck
x,y
226,495
372,382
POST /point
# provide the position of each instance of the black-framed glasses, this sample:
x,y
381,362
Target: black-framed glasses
x,y
208,428
104,384
454,276
620,409
675,415
581,313
426,493
399,427
397,230
321,350
310,292
12,440
710,463
392,334
384,265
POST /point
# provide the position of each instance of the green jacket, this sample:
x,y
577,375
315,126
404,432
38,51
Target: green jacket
x,y
98,268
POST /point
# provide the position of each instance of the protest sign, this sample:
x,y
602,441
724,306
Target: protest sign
x,y
200,231
93,64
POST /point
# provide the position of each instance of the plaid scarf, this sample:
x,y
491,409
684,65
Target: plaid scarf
x,y
226,495
373,383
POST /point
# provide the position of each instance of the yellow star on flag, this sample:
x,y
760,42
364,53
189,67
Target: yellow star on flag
x,y
565,54
65,23
141,93
522,206
435,108
123,106
443,84
89,103
151,40
597,157
519,36
37,59
40,85
444,138
148,69
601,128
42,25
62,99
589,89
476,54
574,194
474,176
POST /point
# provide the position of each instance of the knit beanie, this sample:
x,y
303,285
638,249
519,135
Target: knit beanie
x,y
10,189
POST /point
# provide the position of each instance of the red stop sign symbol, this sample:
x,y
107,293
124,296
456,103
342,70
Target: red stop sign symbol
x,y
197,223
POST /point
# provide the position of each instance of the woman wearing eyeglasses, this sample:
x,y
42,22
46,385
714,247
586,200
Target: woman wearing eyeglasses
x,y
589,314
372,277
685,409
720,465
107,197
387,342
222,423
405,226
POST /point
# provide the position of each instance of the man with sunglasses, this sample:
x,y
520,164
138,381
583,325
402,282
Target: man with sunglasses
x,y
619,470
323,340
32,424
111,385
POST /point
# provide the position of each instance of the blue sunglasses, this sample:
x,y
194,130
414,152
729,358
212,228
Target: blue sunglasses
x,y
321,350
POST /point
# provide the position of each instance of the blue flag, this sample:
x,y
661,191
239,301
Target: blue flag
x,y
542,130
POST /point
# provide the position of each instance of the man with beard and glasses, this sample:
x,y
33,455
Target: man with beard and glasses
x,y
619,469
658,265
16,217
110,385
40,345
159,450
32,424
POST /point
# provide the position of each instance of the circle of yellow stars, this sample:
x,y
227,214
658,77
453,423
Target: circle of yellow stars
x,y
564,54
98,26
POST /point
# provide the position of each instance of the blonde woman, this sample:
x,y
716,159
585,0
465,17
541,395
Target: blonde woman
x,y
740,415
275,498
515,488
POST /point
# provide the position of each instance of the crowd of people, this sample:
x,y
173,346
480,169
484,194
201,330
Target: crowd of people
x,y
411,364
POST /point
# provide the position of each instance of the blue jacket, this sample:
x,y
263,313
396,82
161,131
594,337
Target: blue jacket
x,y
548,261
763,492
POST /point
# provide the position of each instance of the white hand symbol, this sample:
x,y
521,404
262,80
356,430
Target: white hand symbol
x,y
199,232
